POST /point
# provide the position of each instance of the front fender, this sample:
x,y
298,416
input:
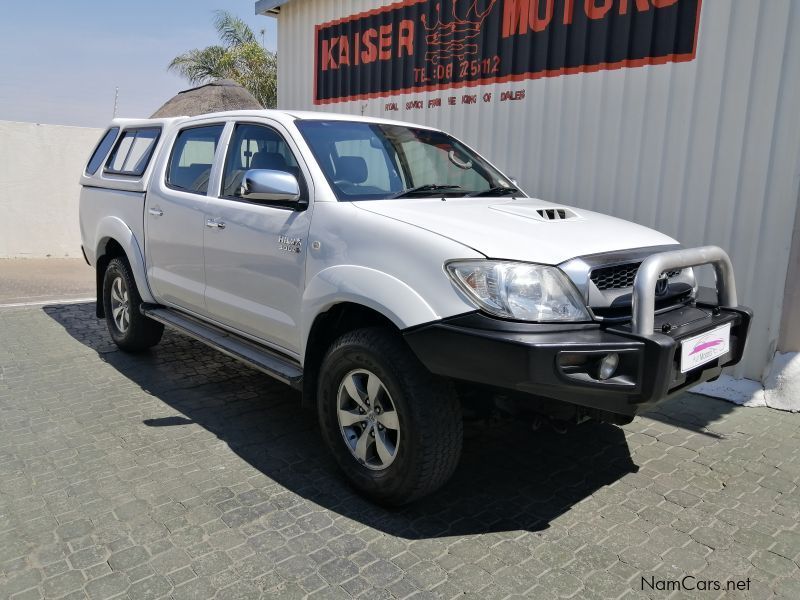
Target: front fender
x,y
391,297
115,228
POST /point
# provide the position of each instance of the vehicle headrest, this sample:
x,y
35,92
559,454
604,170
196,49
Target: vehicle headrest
x,y
269,160
352,169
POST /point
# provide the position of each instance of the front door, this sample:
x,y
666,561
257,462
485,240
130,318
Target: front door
x,y
255,253
175,219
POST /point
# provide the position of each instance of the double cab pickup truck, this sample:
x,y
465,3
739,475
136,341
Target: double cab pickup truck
x,y
397,278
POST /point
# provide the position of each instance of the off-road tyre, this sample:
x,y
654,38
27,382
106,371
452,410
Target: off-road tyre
x,y
430,423
140,333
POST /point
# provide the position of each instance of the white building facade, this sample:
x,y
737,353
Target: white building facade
x,y
681,115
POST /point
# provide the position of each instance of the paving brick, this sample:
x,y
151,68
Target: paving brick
x,y
684,560
20,582
181,576
787,544
241,590
150,588
753,538
775,564
62,584
131,510
128,558
296,567
74,529
107,586
140,572
788,589
98,570
32,594
560,584
338,570
89,556
197,589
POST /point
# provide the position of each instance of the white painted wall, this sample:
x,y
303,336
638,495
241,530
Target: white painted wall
x,y
706,151
39,170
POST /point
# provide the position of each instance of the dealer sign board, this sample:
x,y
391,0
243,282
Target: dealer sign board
x,y
421,45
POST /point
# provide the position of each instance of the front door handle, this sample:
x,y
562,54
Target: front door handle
x,y
155,211
215,224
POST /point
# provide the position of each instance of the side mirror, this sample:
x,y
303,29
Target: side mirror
x,y
266,185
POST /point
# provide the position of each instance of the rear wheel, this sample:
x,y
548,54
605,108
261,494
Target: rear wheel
x,y
394,428
129,328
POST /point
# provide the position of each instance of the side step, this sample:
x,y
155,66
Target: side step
x,y
268,361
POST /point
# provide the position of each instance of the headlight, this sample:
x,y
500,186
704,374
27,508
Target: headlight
x,y
519,290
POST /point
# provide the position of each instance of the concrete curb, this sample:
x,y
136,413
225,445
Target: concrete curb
x,y
780,390
782,383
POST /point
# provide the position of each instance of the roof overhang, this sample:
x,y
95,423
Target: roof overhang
x,y
269,8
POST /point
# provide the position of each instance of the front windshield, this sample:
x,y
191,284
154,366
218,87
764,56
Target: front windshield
x,y
366,161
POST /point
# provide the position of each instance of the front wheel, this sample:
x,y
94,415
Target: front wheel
x,y
129,328
394,428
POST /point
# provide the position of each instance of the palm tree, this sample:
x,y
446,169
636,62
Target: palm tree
x,y
239,57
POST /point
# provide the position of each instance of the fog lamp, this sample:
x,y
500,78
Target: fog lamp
x,y
608,366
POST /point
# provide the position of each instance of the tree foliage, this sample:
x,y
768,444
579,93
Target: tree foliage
x,y
239,57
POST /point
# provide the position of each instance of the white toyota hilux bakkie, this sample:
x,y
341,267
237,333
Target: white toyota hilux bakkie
x,y
397,278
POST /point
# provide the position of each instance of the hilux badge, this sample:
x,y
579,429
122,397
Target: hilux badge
x,y
289,244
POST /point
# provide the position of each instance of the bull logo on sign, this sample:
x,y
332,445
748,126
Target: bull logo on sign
x,y
453,33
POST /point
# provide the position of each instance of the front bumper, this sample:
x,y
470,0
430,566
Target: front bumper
x,y
540,360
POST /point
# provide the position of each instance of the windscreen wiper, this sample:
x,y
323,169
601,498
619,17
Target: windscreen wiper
x,y
500,190
430,187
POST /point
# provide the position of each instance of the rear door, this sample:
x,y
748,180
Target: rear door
x,y
255,255
175,217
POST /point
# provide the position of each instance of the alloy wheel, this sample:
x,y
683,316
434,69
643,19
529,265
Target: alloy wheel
x,y
120,304
368,419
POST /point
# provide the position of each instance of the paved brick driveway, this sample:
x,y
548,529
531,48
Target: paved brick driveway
x,y
182,474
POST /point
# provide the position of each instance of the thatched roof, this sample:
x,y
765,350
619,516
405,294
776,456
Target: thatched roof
x,y
222,94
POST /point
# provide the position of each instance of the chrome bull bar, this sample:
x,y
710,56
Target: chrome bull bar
x,y
644,284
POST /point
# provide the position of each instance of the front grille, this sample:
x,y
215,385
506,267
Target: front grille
x,y
678,294
620,276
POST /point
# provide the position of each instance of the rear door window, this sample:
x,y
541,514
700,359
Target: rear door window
x,y
192,158
101,151
133,151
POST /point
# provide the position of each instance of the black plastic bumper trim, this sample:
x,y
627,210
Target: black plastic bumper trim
x,y
525,356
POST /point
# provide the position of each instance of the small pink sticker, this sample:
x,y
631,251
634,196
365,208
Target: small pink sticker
x,y
706,346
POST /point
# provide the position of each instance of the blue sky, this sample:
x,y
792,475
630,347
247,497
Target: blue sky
x,y
62,60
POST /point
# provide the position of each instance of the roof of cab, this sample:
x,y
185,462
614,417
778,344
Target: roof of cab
x,y
283,116
287,116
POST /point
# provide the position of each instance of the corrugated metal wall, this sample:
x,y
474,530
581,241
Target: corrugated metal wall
x,y
707,151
